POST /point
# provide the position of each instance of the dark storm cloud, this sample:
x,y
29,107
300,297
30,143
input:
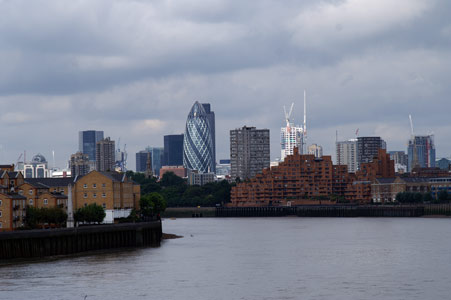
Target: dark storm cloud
x,y
134,68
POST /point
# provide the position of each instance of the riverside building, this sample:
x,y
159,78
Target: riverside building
x,y
304,179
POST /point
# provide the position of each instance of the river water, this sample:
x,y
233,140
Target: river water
x,y
256,258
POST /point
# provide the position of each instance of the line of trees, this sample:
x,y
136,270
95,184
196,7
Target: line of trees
x,y
177,193
40,217
415,197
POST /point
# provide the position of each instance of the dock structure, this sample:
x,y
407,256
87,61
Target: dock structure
x,y
50,242
336,211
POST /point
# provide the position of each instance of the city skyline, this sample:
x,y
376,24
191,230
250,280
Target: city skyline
x,y
368,72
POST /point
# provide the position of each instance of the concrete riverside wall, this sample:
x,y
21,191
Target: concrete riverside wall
x,y
48,242
323,211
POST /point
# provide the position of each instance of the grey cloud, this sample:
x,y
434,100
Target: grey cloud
x,y
134,68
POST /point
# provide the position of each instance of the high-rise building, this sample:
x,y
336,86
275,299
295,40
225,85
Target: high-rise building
x,y
105,157
292,136
316,150
421,152
173,150
401,160
346,154
156,155
368,147
249,151
211,120
79,164
87,142
198,147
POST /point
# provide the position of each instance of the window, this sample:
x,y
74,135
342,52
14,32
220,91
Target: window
x,y
94,195
104,205
85,195
103,195
30,201
1,225
94,185
54,189
103,184
85,186
46,201
0,213
30,191
86,204
20,192
0,202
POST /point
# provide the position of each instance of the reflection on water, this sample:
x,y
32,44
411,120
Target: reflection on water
x,y
258,258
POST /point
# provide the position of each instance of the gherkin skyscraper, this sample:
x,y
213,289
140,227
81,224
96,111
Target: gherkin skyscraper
x,y
198,144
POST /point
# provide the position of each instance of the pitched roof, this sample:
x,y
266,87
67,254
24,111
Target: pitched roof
x,y
415,179
50,182
37,185
115,176
13,174
386,180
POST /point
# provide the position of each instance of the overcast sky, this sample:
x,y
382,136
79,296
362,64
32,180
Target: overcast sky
x,y
134,68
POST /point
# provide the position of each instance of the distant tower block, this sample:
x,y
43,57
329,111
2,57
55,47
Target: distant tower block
x,y
293,136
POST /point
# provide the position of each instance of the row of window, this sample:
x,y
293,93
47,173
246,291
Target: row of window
x,y
94,185
94,195
46,201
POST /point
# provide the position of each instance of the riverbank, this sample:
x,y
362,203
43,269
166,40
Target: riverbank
x,y
189,212
66,241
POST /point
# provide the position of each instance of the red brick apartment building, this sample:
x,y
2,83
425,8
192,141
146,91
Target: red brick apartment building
x,y
304,179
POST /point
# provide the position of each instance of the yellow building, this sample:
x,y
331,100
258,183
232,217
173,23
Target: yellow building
x,y
114,191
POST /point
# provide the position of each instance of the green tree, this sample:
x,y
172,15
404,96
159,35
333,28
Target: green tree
x,y
92,213
443,196
427,198
151,204
170,179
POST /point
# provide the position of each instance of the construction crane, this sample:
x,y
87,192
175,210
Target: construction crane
x,y
288,115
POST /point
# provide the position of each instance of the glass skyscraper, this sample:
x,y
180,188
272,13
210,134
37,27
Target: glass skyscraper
x,y
87,142
156,156
421,152
173,150
198,145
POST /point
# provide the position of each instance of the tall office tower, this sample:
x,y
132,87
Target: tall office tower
x,y
421,152
316,150
105,158
293,136
79,164
87,142
346,154
249,151
368,147
211,120
156,154
198,142
173,150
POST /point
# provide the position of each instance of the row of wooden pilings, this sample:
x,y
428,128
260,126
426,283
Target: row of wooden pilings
x,y
49,242
334,211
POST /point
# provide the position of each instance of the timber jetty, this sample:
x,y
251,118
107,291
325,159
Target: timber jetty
x,y
336,211
65,241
